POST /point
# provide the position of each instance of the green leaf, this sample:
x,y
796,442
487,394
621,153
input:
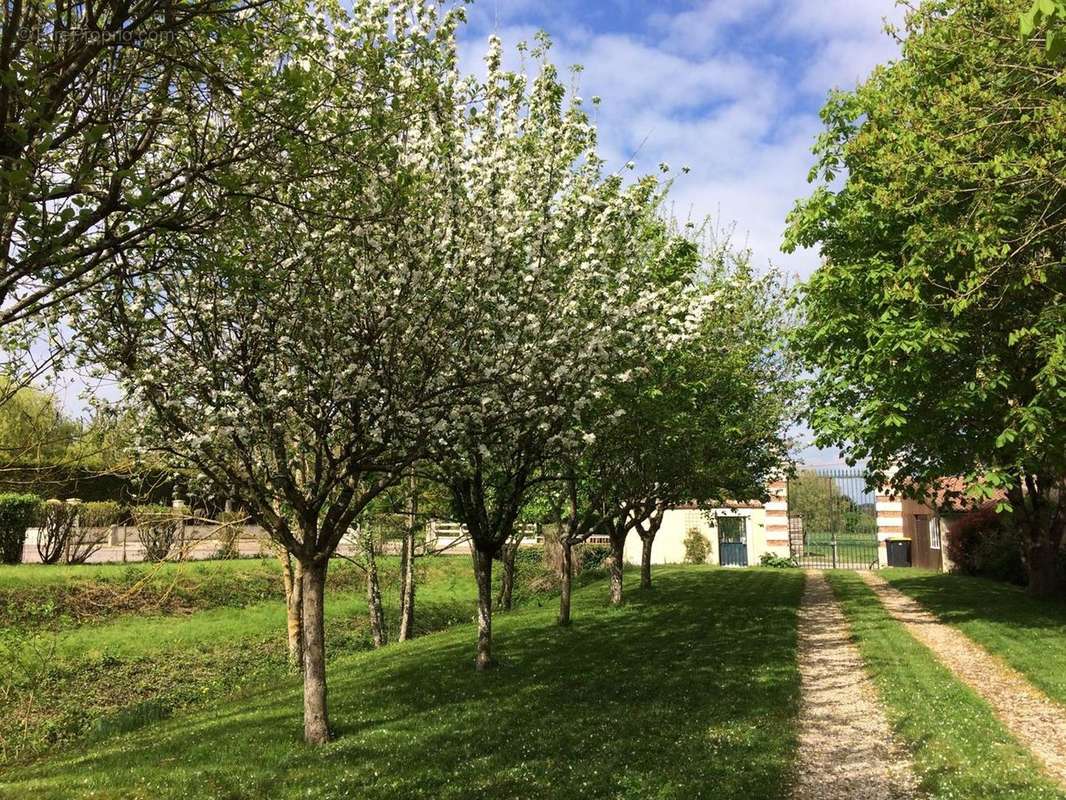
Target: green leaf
x,y
1056,44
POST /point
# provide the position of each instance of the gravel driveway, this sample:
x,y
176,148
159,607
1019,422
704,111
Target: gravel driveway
x,y
846,748
1035,720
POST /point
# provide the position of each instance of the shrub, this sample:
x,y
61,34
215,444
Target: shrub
x,y
528,557
55,524
777,562
16,515
158,528
100,514
697,547
982,542
95,519
593,556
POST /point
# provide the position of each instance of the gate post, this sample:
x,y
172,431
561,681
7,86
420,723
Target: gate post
x,y
776,519
889,522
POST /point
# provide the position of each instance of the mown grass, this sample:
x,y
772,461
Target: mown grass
x,y
960,749
689,690
96,679
1027,633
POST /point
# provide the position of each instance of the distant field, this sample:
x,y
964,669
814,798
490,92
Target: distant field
x,y
851,549
824,539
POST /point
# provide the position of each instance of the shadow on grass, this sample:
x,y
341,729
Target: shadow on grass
x,y
960,598
687,691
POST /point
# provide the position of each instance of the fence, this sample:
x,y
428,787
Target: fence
x,y
832,519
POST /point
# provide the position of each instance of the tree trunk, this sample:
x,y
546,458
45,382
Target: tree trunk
x,y
407,569
567,580
373,597
646,542
1042,564
316,720
407,588
505,600
292,576
483,575
617,547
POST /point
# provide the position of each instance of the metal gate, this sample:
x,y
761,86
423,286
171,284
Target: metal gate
x,y
832,519
732,541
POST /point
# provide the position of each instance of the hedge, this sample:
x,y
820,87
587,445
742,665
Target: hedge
x,y
17,513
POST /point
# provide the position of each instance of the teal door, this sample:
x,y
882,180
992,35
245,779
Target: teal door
x,y
732,541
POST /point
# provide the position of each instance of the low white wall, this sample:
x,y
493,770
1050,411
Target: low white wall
x,y
669,545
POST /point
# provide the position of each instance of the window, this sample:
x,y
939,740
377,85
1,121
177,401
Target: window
x,y
934,533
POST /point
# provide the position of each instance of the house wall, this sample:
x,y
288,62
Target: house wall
x,y
669,545
896,517
922,553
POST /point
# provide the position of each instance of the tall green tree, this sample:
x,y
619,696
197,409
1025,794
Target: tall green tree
x,y
936,326
33,428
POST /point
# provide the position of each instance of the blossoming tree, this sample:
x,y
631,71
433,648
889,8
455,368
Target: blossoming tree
x,y
557,252
301,355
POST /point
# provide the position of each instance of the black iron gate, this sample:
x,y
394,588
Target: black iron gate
x,y
832,519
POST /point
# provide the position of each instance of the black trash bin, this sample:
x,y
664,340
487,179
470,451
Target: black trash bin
x,y
899,552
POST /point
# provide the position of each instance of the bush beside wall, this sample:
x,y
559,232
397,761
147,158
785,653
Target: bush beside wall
x,y
697,547
17,513
983,543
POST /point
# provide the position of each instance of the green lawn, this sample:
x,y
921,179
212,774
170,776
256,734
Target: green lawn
x,y
960,749
1027,633
38,574
75,680
690,690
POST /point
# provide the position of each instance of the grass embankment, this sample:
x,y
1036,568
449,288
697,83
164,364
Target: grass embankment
x,y
689,690
63,681
59,596
1027,633
960,749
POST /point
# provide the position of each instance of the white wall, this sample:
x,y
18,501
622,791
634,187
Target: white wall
x,y
669,545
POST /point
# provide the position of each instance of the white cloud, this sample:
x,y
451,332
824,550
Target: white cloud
x,y
707,23
731,90
829,19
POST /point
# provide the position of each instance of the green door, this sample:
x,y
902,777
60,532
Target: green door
x,y
732,541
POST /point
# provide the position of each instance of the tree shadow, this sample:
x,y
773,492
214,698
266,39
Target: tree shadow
x,y
690,690
959,599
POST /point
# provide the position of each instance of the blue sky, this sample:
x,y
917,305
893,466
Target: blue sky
x,y
729,88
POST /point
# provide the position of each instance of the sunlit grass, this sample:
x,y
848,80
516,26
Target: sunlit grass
x,y
1027,633
689,690
960,748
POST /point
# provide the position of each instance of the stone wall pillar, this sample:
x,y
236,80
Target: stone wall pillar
x,y
889,523
777,517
